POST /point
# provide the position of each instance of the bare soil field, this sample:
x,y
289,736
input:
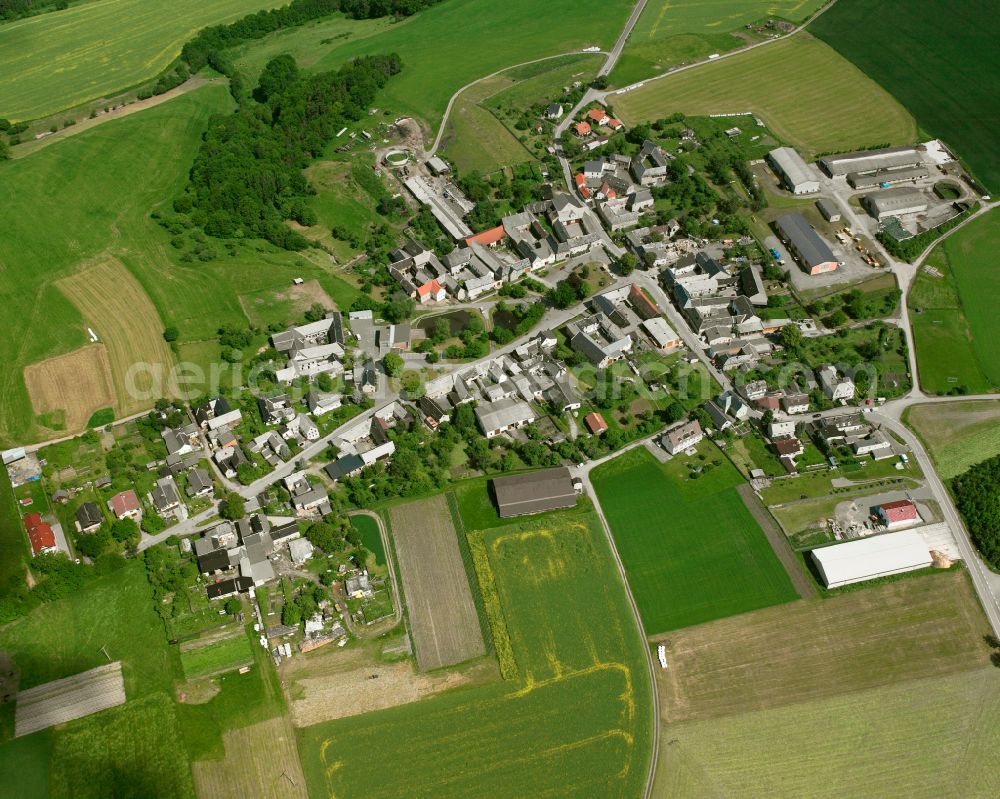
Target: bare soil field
x,y
917,627
334,684
261,761
70,698
75,384
442,614
115,305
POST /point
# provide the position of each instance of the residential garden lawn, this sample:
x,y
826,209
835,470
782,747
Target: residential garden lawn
x,y
881,345
449,45
133,750
923,738
957,434
65,637
867,475
948,356
367,528
89,183
940,42
58,60
824,647
812,98
692,551
573,722
671,32
226,654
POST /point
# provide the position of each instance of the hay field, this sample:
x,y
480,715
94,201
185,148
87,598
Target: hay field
x,y
261,761
113,303
59,60
216,655
922,739
69,698
957,434
474,138
803,651
576,722
73,385
691,549
811,97
675,31
438,597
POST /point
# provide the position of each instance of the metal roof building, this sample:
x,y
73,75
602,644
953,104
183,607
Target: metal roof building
x,y
870,160
875,179
534,492
871,557
806,244
894,202
793,170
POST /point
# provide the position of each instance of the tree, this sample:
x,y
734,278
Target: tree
x,y
413,384
4,150
233,507
291,615
125,531
627,264
675,412
170,334
767,417
393,363
563,295
152,523
232,606
791,338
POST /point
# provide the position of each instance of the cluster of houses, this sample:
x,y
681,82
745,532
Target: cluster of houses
x,y
596,128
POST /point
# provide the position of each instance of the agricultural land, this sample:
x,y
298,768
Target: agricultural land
x,y
671,32
442,613
957,435
692,551
574,720
938,59
811,97
59,60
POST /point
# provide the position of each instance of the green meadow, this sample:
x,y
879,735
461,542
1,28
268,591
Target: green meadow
x,y
96,49
692,551
573,722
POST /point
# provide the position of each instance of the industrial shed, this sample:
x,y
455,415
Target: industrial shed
x,y
806,244
875,179
534,492
870,160
793,171
895,202
872,557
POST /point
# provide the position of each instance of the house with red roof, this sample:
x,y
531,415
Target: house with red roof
x,y
487,238
125,505
598,115
431,290
595,423
606,192
641,302
897,514
582,129
615,124
581,186
39,534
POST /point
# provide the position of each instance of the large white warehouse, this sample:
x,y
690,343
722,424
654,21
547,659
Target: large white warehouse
x,y
793,171
868,558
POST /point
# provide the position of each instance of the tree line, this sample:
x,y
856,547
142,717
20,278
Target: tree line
x,y
977,495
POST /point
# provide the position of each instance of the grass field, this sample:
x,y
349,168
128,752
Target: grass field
x,y
226,654
957,435
14,548
825,647
28,757
89,183
447,46
59,60
367,528
439,602
811,97
130,751
923,739
677,31
947,354
575,724
939,42
691,549
474,138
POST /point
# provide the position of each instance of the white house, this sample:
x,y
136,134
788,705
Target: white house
x,y
835,386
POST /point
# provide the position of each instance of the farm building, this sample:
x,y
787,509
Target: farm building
x,y
894,202
870,160
793,171
872,557
829,210
438,165
534,492
897,514
505,414
808,247
873,180
661,333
